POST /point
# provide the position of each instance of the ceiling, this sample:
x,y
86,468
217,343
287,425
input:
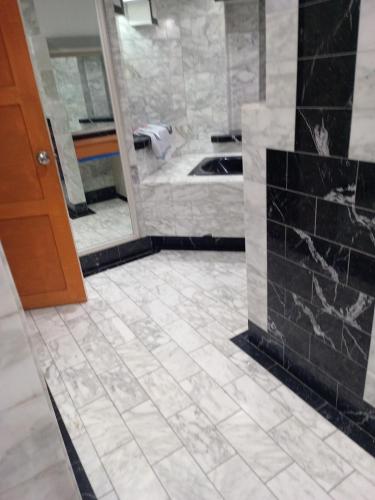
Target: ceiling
x,y
66,18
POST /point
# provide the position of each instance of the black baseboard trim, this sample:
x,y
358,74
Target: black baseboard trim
x,y
116,256
83,483
198,243
79,210
97,262
350,415
103,194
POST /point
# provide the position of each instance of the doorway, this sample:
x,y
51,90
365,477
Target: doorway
x,y
77,97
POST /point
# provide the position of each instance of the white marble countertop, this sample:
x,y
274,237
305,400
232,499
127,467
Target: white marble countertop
x,y
176,171
33,460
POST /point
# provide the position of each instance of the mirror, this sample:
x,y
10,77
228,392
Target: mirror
x,y
82,125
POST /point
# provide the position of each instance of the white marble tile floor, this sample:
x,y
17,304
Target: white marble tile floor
x,y
93,231
161,405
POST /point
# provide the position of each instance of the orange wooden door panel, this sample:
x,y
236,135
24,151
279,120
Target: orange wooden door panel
x,y
34,226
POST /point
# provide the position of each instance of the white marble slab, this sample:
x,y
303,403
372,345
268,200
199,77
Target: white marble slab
x,y
258,403
201,438
165,392
210,397
131,475
104,425
220,368
258,450
293,483
33,459
236,481
183,478
152,432
123,388
314,456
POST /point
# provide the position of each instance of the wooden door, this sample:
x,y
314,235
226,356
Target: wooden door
x,y
34,226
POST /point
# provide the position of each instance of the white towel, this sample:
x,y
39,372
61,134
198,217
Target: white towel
x,y
160,138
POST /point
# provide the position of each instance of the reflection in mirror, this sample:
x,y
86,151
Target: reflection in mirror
x,y
77,103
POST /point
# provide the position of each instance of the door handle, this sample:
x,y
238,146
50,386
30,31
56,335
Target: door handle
x,y
43,158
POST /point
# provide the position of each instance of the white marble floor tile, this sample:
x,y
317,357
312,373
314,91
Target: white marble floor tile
x,y
70,415
258,403
97,309
128,311
236,481
258,450
92,465
220,368
185,335
183,479
65,352
355,486
150,333
159,312
194,315
307,415
101,355
210,397
109,496
168,295
255,371
82,384
151,431
201,438
104,425
314,456
115,331
176,361
47,320
165,392
131,475
138,293
217,335
294,484
71,311
358,457
137,358
123,388
84,330
111,293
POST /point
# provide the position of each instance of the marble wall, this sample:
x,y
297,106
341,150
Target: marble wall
x,y
53,107
243,32
177,71
310,204
33,460
82,87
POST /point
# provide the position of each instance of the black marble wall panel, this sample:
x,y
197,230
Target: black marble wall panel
x,y
327,45
321,269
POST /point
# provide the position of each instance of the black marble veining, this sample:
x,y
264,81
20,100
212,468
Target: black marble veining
x,y
328,27
333,179
323,131
334,74
290,208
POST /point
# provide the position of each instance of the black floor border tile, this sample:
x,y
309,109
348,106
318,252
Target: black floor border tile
x,y
318,402
102,260
208,243
83,483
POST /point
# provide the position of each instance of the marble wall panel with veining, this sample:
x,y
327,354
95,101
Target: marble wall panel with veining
x,y
34,462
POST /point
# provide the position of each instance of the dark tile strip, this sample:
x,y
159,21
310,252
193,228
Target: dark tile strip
x,y
83,483
116,256
280,364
